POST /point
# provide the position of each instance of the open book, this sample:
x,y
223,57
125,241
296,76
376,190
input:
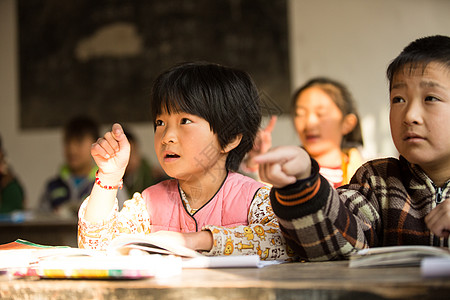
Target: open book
x,y
128,256
131,244
396,256
154,244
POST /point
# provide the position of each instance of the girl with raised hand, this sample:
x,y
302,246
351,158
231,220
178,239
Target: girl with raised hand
x,y
206,117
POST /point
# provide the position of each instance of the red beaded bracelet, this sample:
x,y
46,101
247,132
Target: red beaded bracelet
x,y
107,187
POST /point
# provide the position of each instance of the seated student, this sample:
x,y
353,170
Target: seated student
x,y
388,201
12,196
139,173
205,117
327,123
64,193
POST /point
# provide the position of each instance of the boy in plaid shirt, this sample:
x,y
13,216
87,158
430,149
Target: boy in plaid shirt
x,y
389,201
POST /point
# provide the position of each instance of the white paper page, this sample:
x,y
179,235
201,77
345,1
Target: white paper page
x,y
435,267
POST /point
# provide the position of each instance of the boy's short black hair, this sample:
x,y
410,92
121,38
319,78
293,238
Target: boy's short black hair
x,y
225,97
79,127
421,52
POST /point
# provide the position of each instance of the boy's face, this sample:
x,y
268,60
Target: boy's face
x,y
420,116
78,154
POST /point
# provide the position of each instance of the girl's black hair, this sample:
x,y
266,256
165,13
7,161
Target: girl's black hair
x,y
344,101
225,97
420,53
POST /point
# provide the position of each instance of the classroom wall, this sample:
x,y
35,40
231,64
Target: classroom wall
x,y
354,41
350,40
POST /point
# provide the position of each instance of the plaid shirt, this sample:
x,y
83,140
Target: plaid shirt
x,y
384,204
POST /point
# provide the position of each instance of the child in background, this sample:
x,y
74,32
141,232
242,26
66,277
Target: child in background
x,y
206,117
64,193
12,196
327,123
388,201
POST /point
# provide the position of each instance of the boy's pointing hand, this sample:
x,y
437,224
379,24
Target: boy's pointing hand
x,y
284,165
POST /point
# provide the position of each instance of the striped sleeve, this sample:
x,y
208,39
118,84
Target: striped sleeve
x,y
320,225
302,198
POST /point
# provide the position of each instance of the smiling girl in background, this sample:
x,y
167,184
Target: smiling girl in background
x,y
327,124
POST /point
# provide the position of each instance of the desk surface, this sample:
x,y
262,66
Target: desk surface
x,y
41,229
329,280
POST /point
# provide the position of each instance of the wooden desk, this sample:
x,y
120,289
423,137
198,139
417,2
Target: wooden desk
x,y
329,280
42,229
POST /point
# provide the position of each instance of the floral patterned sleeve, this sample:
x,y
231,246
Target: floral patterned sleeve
x,y
262,236
133,218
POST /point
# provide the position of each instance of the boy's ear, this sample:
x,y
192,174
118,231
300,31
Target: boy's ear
x,y
232,144
349,123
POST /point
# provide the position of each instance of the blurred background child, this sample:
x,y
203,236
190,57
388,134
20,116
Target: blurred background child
x,y
327,123
12,195
64,193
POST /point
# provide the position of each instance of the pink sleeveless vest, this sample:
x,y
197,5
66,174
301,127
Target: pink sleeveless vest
x,y
229,206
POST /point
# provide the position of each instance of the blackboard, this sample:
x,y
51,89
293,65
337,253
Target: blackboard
x,y
100,57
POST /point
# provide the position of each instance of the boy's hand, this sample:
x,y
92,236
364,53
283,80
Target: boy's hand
x,y
111,154
284,165
438,220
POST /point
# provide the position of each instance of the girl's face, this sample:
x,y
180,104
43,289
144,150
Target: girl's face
x,y
186,146
318,121
420,116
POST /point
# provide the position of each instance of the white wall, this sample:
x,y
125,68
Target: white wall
x,y
354,41
350,40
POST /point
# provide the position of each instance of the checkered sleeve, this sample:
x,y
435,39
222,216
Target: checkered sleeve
x,y
321,223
